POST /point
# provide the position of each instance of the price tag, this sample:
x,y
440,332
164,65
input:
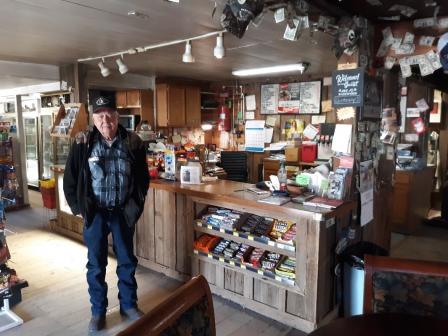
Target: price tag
x,y
209,227
282,246
231,262
195,252
221,259
210,256
250,237
260,272
236,234
243,266
271,243
221,230
278,278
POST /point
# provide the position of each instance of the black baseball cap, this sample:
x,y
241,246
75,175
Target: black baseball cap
x,y
104,103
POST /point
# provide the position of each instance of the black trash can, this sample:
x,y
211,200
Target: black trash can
x,y
352,259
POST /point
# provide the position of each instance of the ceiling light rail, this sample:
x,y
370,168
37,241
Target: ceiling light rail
x,y
151,46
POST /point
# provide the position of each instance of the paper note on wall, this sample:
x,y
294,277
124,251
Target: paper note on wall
x,y
342,139
366,207
250,103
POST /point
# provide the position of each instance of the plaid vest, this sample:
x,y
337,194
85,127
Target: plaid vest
x,y
110,169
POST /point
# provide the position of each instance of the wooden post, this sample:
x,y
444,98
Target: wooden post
x,y
21,143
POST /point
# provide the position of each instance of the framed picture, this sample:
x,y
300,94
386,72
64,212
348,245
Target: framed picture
x,y
373,92
291,98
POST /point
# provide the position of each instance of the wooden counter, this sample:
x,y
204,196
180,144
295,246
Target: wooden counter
x,y
168,226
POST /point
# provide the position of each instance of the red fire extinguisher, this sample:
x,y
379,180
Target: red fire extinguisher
x,y
224,118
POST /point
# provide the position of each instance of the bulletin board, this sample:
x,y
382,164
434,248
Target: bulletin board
x,y
291,98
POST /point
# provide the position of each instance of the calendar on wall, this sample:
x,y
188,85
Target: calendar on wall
x,y
254,135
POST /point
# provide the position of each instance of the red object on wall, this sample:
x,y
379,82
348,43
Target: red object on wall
x,y
309,152
224,118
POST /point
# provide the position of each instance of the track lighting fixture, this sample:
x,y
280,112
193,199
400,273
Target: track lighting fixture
x,y
104,69
187,57
121,66
219,50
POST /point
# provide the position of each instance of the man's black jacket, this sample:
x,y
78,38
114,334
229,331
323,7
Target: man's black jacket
x,y
78,185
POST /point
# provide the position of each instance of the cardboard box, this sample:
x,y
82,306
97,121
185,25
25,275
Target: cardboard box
x,y
292,154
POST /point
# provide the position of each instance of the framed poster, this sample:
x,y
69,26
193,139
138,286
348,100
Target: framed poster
x,y
373,92
269,98
289,98
310,97
347,88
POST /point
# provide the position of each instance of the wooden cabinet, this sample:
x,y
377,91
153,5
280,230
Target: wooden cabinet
x,y
411,199
128,99
192,106
139,102
178,106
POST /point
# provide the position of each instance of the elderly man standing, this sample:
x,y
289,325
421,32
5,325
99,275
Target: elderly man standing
x,y
105,181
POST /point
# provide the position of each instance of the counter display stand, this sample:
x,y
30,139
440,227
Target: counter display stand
x,y
71,119
169,225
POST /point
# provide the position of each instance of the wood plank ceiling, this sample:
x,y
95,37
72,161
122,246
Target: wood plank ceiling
x,y
62,31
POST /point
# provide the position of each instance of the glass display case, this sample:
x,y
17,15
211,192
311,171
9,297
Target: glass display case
x,y
46,145
31,149
62,148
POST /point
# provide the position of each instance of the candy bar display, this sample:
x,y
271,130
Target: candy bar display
x,y
256,225
289,236
243,252
222,245
255,257
222,218
287,268
206,243
279,228
270,260
231,249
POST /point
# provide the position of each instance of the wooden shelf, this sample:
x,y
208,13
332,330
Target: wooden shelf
x,y
252,271
248,239
80,122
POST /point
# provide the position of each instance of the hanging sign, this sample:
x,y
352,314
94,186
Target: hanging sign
x,y
348,88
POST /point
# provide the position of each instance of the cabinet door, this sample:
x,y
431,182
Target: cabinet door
x,y
176,106
192,106
162,105
133,98
120,99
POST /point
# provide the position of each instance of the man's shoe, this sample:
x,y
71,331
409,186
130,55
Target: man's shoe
x,y
132,314
97,322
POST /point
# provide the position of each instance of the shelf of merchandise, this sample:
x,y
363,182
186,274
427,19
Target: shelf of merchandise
x,y
249,239
249,269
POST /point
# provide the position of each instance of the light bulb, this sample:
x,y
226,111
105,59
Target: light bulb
x,y
187,57
104,70
121,66
219,50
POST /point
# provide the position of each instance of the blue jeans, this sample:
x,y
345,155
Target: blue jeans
x,y
95,237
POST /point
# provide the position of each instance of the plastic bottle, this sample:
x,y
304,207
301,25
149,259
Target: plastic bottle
x,y
282,177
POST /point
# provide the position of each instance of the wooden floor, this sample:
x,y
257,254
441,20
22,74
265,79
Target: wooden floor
x,y
56,301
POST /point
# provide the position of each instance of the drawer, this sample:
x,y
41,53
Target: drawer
x,y
402,177
271,164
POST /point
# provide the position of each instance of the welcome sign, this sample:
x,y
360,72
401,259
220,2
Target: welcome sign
x,y
348,88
